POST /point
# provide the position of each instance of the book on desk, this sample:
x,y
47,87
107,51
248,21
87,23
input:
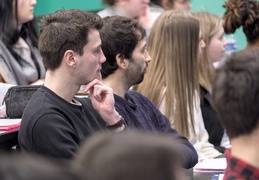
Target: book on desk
x,y
217,165
7,125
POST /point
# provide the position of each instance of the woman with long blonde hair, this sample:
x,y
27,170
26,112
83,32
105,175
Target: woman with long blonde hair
x,y
213,36
172,80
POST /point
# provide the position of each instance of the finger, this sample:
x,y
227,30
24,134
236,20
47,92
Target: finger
x,y
91,84
99,77
100,92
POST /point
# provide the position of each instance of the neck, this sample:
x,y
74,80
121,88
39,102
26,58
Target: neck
x,y
117,84
62,86
253,46
123,10
246,148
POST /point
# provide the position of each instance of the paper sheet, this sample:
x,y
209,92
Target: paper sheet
x,y
211,165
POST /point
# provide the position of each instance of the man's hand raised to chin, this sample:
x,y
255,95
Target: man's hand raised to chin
x,y
103,101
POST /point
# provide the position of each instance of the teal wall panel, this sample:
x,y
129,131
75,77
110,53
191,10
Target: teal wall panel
x,y
214,6
49,6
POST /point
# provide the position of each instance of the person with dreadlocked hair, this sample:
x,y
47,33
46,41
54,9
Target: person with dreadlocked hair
x,y
243,13
20,60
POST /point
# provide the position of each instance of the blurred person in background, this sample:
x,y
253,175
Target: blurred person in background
x,y
130,155
159,6
20,60
135,9
24,166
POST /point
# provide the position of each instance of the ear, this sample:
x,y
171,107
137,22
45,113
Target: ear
x,y
70,58
121,61
167,4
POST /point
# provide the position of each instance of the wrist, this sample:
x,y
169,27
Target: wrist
x,y
119,124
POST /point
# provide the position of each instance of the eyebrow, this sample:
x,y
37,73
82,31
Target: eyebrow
x,y
144,47
99,46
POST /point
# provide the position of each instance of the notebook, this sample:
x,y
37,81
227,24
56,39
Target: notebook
x,y
211,165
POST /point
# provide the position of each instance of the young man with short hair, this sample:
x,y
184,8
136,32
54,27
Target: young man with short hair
x,y
55,122
124,46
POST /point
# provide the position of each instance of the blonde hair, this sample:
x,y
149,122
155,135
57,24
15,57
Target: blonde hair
x,y
210,24
173,72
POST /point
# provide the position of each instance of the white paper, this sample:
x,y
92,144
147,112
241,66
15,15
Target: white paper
x,y
7,122
211,165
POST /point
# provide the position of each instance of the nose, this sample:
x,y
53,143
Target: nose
x,y
188,5
225,41
147,57
34,2
147,1
102,58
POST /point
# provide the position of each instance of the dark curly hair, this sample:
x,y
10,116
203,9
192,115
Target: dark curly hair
x,y
243,13
119,35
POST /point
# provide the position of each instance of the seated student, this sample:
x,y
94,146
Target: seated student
x,y
30,167
172,79
172,4
157,7
236,99
54,123
213,36
20,60
130,155
243,13
123,44
136,9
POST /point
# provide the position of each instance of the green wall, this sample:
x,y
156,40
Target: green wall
x,y
214,6
49,6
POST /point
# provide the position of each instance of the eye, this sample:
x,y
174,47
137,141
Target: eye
x,y
97,51
144,49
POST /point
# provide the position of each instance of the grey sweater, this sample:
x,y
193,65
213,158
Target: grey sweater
x,y
23,73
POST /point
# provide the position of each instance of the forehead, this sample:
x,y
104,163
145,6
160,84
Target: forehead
x,y
140,45
94,39
182,1
134,1
220,31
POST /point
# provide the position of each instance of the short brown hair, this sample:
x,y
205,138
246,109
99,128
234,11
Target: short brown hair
x,y
130,155
119,35
236,93
65,30
109,2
